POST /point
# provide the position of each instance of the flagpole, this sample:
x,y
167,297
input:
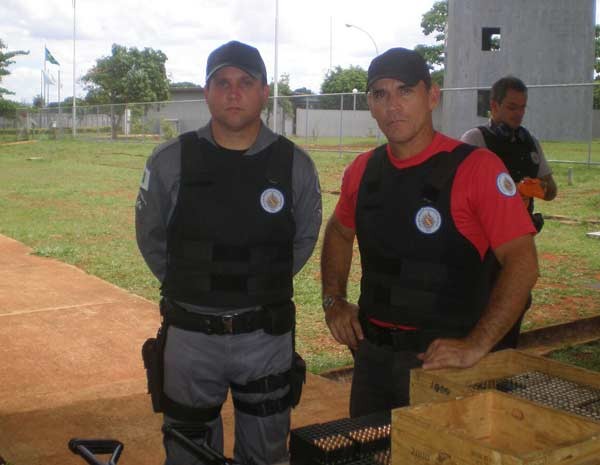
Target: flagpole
x,y
275,79
59,123
74,103
45,93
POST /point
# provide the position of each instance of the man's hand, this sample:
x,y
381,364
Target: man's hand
x,y
451,353
342,319
532,187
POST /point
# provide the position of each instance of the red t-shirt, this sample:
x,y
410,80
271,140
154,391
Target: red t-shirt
x,y
484,204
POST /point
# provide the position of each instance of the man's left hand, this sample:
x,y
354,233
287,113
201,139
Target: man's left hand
x,y
451,353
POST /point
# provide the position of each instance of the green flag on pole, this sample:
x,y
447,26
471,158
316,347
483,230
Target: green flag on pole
x,y
50,58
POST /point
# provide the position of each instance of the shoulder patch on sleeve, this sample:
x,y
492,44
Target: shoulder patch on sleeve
x,y
506,185
145,182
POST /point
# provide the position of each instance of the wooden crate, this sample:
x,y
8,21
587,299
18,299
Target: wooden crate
x,y
492,428
432,385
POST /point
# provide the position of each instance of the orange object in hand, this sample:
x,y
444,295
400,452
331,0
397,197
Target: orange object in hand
x,y
531,188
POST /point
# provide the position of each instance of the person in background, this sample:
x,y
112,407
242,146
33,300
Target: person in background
x,y
522,154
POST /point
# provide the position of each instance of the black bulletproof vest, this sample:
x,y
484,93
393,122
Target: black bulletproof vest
x,y
230,239
434,280
516,154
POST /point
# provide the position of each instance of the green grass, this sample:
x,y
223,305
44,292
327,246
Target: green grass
x,y
583,355
74,201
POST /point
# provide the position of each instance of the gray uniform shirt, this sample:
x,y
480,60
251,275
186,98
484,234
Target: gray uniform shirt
x,y
475,137
159,190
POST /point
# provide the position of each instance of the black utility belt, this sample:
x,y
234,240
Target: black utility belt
x,y
273,319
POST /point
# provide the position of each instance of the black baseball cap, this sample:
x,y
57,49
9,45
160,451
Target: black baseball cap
x,y
399,63
242,56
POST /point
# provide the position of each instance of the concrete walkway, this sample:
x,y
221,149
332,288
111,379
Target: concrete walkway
x,y
70,366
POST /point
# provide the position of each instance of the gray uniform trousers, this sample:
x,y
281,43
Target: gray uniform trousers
x,y
198,370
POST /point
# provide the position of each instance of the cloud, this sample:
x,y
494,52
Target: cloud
x,y
312,35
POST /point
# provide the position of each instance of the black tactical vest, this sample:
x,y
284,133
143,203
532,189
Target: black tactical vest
x,y
417,269
230,239
516,154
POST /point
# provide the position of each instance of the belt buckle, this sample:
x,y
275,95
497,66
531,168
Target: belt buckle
x,y
227,324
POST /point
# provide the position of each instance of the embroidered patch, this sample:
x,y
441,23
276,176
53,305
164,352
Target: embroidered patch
x,y
145,182
272,200
535,157
428,220
506,185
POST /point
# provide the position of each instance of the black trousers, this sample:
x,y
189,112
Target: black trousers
x,y
381,379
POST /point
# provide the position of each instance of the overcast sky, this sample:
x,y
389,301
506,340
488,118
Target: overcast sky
x,y
188,30
312,35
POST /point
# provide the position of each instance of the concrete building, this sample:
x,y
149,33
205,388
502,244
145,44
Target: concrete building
x,y
185,111
543,42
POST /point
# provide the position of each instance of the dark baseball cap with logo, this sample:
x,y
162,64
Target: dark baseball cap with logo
x,y
239,55
399,63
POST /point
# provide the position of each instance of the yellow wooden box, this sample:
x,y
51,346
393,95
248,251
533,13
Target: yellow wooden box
x,y
492,428
432,385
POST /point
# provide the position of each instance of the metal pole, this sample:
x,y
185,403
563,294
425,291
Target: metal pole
x,y
276,78
74,123
330,42
591,133
44,94
306,124
370,36
341,123
59,112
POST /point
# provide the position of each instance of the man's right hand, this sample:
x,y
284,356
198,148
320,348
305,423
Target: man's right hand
x,y
342,319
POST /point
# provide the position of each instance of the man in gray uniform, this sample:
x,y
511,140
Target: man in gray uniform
x,y
225,216
521,153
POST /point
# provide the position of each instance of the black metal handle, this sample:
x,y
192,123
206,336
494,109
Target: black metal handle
x,y
201,450
89,448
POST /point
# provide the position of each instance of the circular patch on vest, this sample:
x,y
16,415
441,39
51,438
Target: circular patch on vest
x,y
506,185
535,157
428,220
272,200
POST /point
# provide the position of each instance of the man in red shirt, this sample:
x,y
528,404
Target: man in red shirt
x,y
447,251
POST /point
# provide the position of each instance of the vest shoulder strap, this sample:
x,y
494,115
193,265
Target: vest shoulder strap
x,y
444,170
372,177
192,144
277,171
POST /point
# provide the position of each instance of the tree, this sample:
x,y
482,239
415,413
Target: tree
x,y
5,62
184,84
38,101
8,108
435,21
127,76
67,103
340,80
303,91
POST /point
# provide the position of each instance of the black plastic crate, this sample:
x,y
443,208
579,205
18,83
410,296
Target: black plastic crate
x,y
341,441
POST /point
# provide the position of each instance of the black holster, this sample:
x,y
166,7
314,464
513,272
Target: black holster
x,y
297,378
152,354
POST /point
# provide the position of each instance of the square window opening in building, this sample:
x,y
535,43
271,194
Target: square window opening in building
x,y
490,39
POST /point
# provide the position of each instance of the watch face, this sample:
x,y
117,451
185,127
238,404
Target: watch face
x,y
328,301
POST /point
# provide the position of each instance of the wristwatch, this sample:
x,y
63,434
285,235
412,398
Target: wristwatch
x,y
329,301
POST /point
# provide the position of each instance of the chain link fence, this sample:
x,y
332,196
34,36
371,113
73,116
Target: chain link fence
x,y
561,116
